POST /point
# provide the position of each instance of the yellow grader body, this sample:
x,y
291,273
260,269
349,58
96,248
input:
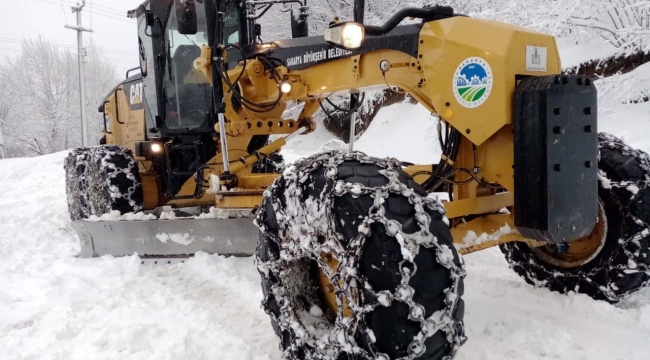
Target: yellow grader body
x,y
443,45
356,255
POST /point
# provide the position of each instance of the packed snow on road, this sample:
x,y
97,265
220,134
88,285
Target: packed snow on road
x,y
54,305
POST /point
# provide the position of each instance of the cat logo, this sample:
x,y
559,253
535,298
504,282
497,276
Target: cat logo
x,y
136,94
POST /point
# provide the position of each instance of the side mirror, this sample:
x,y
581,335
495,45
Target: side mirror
x,y
149,18
299,25
186,17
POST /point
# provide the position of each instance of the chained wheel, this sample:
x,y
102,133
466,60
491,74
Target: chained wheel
x,y
114,181
357,262
76,166
614,260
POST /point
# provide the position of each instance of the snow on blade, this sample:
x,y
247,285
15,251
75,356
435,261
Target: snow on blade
x,y
181,239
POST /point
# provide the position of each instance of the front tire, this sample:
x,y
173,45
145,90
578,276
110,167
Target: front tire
x,y
618,267
399,279
76,166
115,181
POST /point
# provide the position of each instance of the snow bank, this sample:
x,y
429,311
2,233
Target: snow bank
x,y
405,131
56,306
573,54
507,318
306,145
618,115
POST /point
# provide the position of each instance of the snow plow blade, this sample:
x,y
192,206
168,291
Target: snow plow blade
x,y
167,238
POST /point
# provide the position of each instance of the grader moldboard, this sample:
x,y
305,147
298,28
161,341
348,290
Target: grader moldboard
x,y
358,259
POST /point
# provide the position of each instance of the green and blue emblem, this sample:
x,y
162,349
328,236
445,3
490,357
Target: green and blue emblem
x,y
473,82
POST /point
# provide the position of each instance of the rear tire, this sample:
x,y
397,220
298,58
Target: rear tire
x,y
373,218
76,166
622,264
115,181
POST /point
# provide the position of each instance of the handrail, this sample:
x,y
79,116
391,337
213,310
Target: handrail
x,y
427,14
117,109
104,116
128,71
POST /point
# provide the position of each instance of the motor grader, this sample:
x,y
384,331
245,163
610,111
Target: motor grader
x,y
358,257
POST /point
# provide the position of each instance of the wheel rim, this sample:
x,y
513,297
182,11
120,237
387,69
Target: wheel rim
x,y
328,289
580,251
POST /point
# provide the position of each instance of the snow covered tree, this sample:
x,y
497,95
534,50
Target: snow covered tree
x,y
623,23
42,115
100,79
42,79
7,97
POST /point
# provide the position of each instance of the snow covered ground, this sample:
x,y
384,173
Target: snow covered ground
x,y
56,306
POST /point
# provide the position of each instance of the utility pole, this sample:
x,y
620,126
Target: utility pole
x,y
82,86
2,142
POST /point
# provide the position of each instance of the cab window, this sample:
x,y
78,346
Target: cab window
x,y
233,23
187,91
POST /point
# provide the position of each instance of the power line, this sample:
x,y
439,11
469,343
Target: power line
x,y
108,9
64,15
103,8
120,57
114,18
96,11
12,41
68,46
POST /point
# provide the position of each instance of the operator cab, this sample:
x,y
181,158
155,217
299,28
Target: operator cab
x,y
181,105
171,34
179,96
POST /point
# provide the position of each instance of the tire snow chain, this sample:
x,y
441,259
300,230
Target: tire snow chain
x,y
302,223
630,246
634,188
76,158
101,156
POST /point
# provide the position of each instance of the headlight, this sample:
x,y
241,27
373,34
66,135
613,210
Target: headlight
x,y
348,35
285,86
156,148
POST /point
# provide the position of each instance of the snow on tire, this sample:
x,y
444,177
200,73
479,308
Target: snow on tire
x,y
77,182
621,266
115,182
398,270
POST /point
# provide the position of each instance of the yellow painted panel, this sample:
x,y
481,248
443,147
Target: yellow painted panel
x,y
446,44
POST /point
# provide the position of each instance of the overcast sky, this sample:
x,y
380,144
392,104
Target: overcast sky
x,y
113,31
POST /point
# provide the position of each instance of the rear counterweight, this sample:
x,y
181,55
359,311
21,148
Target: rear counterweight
x,y
556,157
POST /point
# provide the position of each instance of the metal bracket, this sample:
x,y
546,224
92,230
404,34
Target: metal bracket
x,y
356,65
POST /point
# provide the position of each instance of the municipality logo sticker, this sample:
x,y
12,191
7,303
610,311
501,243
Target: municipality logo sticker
x,y
473,82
